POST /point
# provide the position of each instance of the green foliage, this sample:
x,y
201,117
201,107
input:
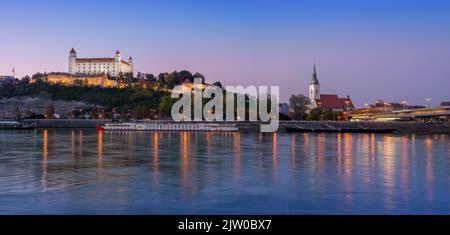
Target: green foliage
x,y
299,106
50,111
165,105
321,114
124,99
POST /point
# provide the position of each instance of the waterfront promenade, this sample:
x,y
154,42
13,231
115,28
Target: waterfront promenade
x,y
400,127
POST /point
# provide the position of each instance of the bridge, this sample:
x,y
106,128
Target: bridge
x,y
433,114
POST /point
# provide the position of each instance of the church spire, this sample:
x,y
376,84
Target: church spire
x,y
314,79
315,72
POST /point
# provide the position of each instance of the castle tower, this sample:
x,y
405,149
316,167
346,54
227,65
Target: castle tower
x,y
117,57
314,89
72,61
130,61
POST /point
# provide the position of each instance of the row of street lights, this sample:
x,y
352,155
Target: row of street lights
x,y
403,102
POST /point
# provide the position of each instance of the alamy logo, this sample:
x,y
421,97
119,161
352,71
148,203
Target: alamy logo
x,y
251,104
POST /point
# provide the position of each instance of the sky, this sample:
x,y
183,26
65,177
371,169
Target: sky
x,y
369,49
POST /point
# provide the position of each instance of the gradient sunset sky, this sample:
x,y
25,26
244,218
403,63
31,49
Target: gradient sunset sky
x,y
370,49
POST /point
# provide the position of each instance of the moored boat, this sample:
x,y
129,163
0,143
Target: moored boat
x,y
15,125
167,126
341,130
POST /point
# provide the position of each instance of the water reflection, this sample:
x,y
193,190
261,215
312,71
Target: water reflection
x,y
405,169
237,157
164,172
155,150
429,166
348,170
275,154
72,144
44,160
80,143
100,149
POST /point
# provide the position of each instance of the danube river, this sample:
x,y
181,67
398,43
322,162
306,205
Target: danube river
x,y
80,171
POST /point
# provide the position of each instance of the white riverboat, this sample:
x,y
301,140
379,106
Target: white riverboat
x,y
15,125
168,126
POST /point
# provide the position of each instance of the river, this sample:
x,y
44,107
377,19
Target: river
x,y
82,171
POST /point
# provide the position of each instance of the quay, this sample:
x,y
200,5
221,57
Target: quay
x,y
398,127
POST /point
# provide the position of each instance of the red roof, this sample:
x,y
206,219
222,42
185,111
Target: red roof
x,y
94,60
98,60
331,101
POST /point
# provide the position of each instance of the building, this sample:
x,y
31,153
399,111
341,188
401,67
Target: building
x,y
314,89
327,101
445,103
93,66
7,80
284,109
88,80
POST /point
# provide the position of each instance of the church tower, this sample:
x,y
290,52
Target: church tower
x,y
314,89
72,61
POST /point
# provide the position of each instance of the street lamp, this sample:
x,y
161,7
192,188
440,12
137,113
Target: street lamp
x,y
386,104
404,102
320,104
347,103
428,100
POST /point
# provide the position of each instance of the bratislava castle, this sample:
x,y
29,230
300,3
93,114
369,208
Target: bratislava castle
x,y
93,66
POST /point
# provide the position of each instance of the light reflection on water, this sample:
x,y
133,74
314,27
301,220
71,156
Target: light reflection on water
x,y
63,171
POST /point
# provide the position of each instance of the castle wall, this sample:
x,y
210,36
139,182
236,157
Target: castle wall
x,y
69,80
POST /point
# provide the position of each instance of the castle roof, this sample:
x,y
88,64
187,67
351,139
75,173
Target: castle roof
x,y
99,60
314,80
73,50
94,60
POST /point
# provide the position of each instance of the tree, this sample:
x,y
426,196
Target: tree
x,y
165,106
38,76
150,77
323,114
30,114
128,78
218,84
17,112
183,75
140,76
95,113
199,75
78,82
25,80
298,105
50,111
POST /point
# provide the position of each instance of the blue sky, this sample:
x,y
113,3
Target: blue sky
x,y
370,49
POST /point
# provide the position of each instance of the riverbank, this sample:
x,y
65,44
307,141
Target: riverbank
x,y
400,127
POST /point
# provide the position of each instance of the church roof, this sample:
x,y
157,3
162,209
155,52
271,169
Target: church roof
x,y
314,80
332,101
73,50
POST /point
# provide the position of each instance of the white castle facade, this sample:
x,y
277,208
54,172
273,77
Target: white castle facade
x,y
94,66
